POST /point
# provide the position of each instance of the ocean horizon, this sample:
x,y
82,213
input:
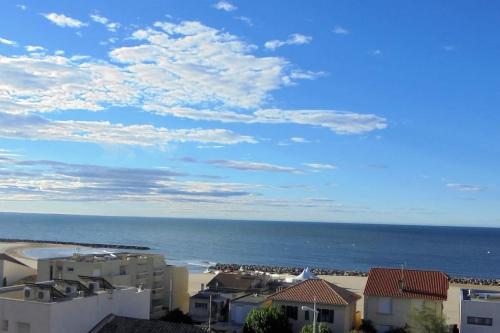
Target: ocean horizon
x,y
199,243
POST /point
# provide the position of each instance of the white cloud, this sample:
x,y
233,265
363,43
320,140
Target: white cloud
x,y
293,39
185,70
22,7
340,30
298,139
376,52
321,166
225,5
465,187
253,166
64,21
7,42
111,26
103,132
245,19
34,48
449,48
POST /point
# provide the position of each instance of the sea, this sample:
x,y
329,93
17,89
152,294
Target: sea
x,y
199,243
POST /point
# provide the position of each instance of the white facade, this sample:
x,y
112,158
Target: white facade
x,y
76,315
12,271
479,311
168,284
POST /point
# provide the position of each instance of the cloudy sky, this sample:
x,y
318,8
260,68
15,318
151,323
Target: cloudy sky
x,y
349,111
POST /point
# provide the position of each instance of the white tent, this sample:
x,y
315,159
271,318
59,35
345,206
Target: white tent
x,y
305,275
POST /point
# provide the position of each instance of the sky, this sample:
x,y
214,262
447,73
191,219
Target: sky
x,y
335,111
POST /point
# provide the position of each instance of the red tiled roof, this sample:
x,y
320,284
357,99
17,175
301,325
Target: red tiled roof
x,y
428,285
324,292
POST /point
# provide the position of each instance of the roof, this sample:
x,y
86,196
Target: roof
x,y
320,290
234,281
251,299
132,325
429,285
6,257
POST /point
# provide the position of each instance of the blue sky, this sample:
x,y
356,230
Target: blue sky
x,y
351,111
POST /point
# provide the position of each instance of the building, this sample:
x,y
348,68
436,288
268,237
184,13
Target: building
x,y
479,311
241,306
168,284
12,270
62,306
336,306
116,324
391,295
220,291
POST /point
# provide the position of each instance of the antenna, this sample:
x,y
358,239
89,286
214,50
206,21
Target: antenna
x,y
402,280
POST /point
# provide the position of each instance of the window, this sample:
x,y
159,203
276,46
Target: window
x,y
5,325
70,269
290,311
479,321
325,316
306,315
385,305
123,270
203,306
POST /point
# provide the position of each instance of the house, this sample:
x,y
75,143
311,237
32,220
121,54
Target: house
x,y
168,284
479,311
220,291
336,306
61,306
391,295
241,306
12,270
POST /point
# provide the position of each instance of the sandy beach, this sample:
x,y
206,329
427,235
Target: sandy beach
x,y
354,283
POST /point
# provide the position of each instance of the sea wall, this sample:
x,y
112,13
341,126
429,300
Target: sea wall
x,y
331,271
93,245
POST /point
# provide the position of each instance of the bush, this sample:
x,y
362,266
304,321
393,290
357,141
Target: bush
x,y
322,328
177,316
268,319
426,320
367,326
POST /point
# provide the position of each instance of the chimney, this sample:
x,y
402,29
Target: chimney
x,y
402,281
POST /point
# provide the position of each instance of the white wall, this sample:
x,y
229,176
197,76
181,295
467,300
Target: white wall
x,y
477,308
76,315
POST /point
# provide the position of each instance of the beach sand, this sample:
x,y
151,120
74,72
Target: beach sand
x,y
355,284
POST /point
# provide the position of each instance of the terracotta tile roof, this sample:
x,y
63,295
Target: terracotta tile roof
x,y
430,285
324,292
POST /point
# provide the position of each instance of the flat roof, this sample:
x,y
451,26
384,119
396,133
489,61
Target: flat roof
x,y
478,295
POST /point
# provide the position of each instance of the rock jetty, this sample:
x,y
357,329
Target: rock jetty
x,y
331,271
93,245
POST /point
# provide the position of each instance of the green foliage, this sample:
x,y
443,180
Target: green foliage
x,y
404,329
425,320
177,316
367,326
268,319
322,328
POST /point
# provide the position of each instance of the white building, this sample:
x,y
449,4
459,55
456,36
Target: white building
x,y
479,311
12,270
62,306
168,284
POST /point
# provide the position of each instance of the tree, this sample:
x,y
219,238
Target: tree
x,y
367,326
426,320
177,316
322,328
268,319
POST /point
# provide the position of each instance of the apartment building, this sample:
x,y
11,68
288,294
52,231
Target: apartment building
x,y
168,284
62,306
